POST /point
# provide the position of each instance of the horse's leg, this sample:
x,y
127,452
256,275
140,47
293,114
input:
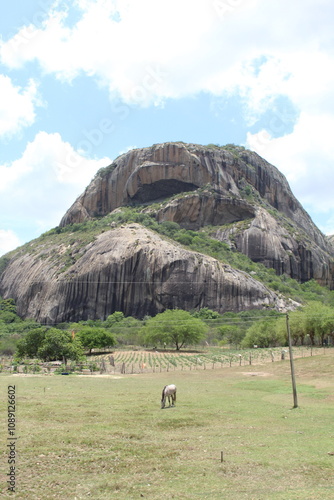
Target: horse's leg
x,y
163,398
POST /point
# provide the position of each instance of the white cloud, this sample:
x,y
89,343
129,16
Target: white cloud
x,y
328,226
305,157
125,150
199,46
8,241
43,183
146,51
53,162
17,105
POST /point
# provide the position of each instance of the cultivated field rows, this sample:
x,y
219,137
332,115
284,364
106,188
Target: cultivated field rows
x,y
130,362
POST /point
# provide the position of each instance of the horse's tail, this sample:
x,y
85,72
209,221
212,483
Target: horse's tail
x,y
175,394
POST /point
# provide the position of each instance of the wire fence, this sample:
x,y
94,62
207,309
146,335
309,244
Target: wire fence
x,y
137,362
129,362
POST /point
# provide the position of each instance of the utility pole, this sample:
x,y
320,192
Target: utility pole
x,y
294,390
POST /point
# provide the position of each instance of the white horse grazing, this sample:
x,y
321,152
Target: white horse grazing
x,y
169,391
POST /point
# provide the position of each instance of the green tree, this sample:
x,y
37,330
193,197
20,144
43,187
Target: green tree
x,y
91,338
7,346
318,321
8,312
7,305
184,239
263,334
116,317
175,327
297,328
127,330
206,313
315,321
327,323
28,346
232,334
59,345
93,323
9,317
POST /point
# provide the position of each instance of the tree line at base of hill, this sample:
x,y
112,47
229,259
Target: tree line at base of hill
x,y
311,325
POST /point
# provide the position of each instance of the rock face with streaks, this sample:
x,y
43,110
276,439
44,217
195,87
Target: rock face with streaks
x,y
155,173
229,186
129,269
230,193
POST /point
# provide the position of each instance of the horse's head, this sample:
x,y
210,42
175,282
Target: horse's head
x,y
163,404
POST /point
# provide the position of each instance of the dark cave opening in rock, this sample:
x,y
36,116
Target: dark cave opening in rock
x,y
162,189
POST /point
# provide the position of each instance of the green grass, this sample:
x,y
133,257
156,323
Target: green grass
x,y
106,437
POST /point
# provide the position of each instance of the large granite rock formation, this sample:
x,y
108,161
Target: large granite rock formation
x,y
232,194
229,185
158,172
129,269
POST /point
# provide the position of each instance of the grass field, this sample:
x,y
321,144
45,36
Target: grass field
x,y
105,437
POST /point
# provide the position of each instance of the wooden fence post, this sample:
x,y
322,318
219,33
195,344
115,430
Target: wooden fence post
x,y
294,390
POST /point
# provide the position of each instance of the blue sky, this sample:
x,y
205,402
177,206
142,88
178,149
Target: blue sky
x,y
83,81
